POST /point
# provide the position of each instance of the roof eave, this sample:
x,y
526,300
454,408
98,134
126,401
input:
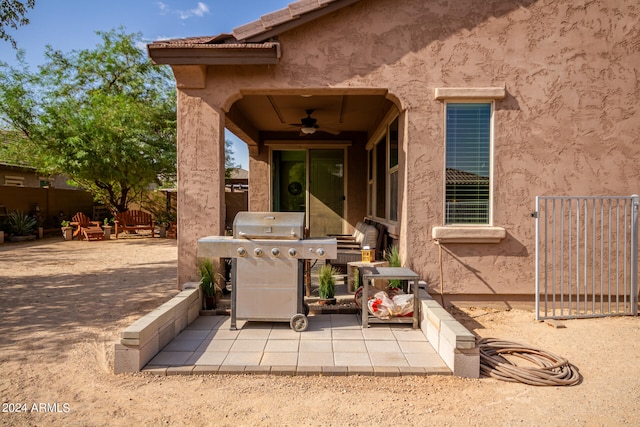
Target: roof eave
x,y
213,54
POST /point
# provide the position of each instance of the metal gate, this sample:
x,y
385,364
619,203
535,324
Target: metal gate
x,y
586,257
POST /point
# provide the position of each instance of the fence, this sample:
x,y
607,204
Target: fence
x,y
586,256
49,201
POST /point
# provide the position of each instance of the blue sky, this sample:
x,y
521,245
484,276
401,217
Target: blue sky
x,y
71,24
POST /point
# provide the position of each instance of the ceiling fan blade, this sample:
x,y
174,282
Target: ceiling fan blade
x,y
309,123
329,130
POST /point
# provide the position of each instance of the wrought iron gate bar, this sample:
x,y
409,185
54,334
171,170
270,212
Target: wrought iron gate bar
x,y
586,256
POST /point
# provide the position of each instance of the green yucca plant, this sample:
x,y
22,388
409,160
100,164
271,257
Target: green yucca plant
x,y
393,258
20,224
208,274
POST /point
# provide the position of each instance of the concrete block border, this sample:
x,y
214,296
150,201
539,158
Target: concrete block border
x,y
453,342
143,339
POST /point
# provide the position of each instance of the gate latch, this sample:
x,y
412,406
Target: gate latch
x,y
534,214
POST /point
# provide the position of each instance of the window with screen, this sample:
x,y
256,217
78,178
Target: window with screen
x,y
393,170
468,163
383,166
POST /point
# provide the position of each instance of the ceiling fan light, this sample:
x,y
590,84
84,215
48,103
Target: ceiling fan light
x,y
307,130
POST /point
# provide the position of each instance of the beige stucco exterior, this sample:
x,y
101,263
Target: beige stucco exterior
x,y
564,78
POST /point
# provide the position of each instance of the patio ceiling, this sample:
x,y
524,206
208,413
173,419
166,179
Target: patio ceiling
x,y
274,116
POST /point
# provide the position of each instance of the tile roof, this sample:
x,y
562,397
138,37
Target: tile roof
x,y
252,43
295,14
261,30
456,176
239,173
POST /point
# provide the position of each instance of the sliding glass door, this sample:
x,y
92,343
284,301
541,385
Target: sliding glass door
x,y
289,171
326,191
311,181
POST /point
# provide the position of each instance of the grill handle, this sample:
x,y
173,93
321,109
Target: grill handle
x,y
292,236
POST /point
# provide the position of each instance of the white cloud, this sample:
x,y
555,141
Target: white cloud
x,y
163,7
200,10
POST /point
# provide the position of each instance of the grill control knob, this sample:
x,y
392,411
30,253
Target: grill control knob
x,y
242,251
257,252
320,252
275,252
293,252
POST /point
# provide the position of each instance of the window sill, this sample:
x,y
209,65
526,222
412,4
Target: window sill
x,y
468,234
452,93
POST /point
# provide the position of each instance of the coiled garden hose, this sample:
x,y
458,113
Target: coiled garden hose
x,y
548,369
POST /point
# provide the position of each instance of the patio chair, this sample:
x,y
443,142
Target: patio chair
x,y
350,246
85,227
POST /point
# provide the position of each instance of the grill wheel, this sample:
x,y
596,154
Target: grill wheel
x,y
299,322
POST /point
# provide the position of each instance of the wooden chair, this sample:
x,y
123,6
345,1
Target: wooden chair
x,y
172,231
134,220
85,227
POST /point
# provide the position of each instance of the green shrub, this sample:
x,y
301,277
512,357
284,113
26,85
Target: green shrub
x,y
208,273
20,224
327,286
393,258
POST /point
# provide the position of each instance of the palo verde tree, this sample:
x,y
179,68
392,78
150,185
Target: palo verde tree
x,y
12,15
105,117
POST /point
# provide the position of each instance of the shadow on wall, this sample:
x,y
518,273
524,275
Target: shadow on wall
x,y
510,247
509,103
391,33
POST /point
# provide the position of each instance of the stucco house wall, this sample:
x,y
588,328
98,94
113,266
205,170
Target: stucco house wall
x,y
567,124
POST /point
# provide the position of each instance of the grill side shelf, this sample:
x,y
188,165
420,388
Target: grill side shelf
x,y
227,247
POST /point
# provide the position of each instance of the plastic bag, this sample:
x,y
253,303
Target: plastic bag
x,y
404,304
384,307
380,305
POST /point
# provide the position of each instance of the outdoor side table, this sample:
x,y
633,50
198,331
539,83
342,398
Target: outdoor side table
x,y
389,273
354,268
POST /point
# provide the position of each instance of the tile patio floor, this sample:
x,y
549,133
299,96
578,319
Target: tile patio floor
x,y
334,344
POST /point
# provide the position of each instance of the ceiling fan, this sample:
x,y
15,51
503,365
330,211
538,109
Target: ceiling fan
x,y
309,125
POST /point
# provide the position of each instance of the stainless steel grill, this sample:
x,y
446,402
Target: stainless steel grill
x,y
268,251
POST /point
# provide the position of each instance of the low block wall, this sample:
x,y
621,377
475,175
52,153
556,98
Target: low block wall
x,y
142,340
453,342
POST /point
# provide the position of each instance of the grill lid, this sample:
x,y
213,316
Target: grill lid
x,y
269,225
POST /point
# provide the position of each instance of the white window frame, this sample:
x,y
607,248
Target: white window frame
x,y
470,233
14,181
391,170
44,179
372,165
491,161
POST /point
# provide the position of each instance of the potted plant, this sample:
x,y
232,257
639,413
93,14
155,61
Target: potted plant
x,y
208,283
327,284
162,230
107,229
67,230
393,258
21,226
163,221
